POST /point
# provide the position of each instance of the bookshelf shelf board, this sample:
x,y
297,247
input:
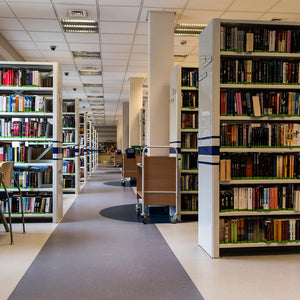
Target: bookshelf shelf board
x,y
68,114
259,244
33,164
261,181
189,192
189,171
259,213
31,215
23,139
69,174
283,55
69,190
68,158
24,114
259,119
259,150
260,86
189,88
28,189
187,212
65,145
189,150
68,128
189,129
193,109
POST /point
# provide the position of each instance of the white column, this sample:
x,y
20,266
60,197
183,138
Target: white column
x,y
135,105
125,129
160,63
119,133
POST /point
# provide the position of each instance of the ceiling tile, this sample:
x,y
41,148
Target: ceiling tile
x,y
58,54
242,15
10,24
62,10
116,38
34,59
88,62
209,4
138,69
117,27
82,37
108,75
138,63
164,3
199,16
183,50
59,59
119,13
13,35
41,25
91,79
31,53
47,37
84,47
114,62
114,68
286,6
72,2
121,2
46,46
115,55
5,11
139,56
68,67
139,49
114,48
283,16
38,10
253,5
141,39
190,41
23,45
142,28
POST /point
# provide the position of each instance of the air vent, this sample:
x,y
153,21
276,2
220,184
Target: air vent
x,y
77,13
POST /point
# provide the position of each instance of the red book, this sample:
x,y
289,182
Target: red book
x,y
27,129
223,103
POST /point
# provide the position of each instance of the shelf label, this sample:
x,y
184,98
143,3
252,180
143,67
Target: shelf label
x,y
203,76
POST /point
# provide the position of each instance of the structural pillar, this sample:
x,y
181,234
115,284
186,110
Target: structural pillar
x,y
135,105
160,63
125,126
119,133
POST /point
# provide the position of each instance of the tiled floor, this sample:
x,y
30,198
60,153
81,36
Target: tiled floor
x,y
248,277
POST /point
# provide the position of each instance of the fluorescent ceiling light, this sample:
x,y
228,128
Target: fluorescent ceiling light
x,y
86,54
83,26
189,29
92,85
90,72
180,57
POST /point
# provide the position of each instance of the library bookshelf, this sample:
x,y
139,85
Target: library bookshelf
x,y
31,135
71,163
248,135
82,146
183,133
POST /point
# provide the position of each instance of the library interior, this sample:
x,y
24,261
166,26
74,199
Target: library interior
x,y
149,149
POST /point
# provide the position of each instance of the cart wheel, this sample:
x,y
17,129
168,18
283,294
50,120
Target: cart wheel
x,y
175,218
123,182
137,210
145,220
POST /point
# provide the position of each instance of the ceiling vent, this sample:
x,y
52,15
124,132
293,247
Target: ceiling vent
x,y
77,13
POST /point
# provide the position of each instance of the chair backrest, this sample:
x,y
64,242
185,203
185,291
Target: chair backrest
x,y
7,168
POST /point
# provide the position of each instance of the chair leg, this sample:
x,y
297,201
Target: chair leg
x,y
10,225
22,211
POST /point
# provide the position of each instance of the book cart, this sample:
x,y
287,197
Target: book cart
x,y
131,158
248,136
157,182
82,147
31,135
184,132
118,158
71,180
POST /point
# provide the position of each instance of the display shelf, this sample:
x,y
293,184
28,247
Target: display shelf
x,y
183,130
45,103
82,147
219,72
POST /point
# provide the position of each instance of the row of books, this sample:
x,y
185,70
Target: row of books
x,y
259,39
68,167
259,71
189,182
189,140
18,103
260,165
189,203
259,135
189,98
81,151
189,77
81,119
68,136
189,120
259,230
68,107
30,205
258,198
27,179
69,121
257,104
68,183
189,161
16,154
81,162
20,77
68,152
29,128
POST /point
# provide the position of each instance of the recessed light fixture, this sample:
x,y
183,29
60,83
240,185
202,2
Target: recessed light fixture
x,y
189,29
92,85
180,57
83,26
86,54
94,97
90,72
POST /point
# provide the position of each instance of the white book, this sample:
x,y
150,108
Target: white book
x,y
249,195
236,198
283,197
